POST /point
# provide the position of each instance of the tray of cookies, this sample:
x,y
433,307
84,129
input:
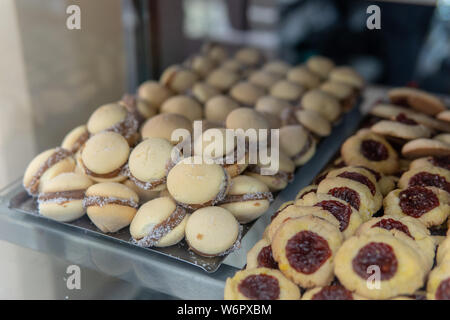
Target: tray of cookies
x,y
374,224
116,176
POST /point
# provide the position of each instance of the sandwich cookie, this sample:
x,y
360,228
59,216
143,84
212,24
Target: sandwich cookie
x,y
246,118
222,79
347,75
104,156
61,199
194,184
277,67
144,195
75,139
159,223
287,90
444,116
114,117
218,108
154,93
320,65
250,57
139,108
200,64
46,166
163,125
314,122
111,206
233,65
425,147
260,256
148,164
304,77
215,51
416,99
178,78
228,155
202,92
246,93
212,231
297,143
277,180
183,105
323,103
263,79
272,105
247,199
345,93
260,284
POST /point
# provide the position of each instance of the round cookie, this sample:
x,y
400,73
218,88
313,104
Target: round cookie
x,y
163,125
370,150
144,195
75,139
306,190
331,292
345,93
425,147
402,128
159,223
416,99
399,266
247,199
443,251
250,57
277,67
440,162
426,177
246,93
222,79
154,93
260,284
438,286
212,231
443,137
263,79
314,122
429,205
111,206
149,162
233,65
347,75
113,117
297,143
320,65
45,166
139,108
304,249
389,111
218,108
287,90
272,105
61,198
195,184
214,51
260,256
104,156
246,118
202,92
430,122
304,77
323,103
444,116
183,105
178,78
202,65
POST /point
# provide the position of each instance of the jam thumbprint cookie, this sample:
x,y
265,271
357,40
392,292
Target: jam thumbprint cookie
x,y
260,284
305,248
260,256
443,251
441,162
416,99
426,177
379,266
370,150
428,205
306,190
425,147
349,219
353,192
296,211
401,127
438,286
331,292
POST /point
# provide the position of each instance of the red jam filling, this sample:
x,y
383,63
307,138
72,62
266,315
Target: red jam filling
x,y
340,211
320,178
416,201
374,150
402,118
443,291
260,287
265,258
348,195
359,178
426,179
442,162
307,252
390,224
333,292
375,254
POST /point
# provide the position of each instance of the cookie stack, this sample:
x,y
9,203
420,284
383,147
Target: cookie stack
x,y
119,167
365,228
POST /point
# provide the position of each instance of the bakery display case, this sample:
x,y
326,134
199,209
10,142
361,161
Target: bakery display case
x,y
93,184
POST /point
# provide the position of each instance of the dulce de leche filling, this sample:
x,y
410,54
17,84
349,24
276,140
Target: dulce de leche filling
x,y
59,154
231,198
79,142
61,197
108,175
101,201
144,185
280,175
304,150
162,229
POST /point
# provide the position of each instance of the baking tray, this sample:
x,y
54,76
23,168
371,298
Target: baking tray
x,y
21,202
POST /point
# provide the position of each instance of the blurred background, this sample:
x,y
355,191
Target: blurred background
x,y
52,78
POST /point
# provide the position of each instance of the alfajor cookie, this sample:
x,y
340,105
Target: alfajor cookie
x,y
277,67
297,143
111,206
214,51
144,195
272,105
347,75
263,79
184,106
75,139
304,77
416,99
287,90
178,78
246,93
345,93
323,103
250,57
202,92
246,118
247,199
159,223
163,125
61,199
314,122
320,65
222,79
218,108
139,108
45,166
212,231
154,93
202,65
